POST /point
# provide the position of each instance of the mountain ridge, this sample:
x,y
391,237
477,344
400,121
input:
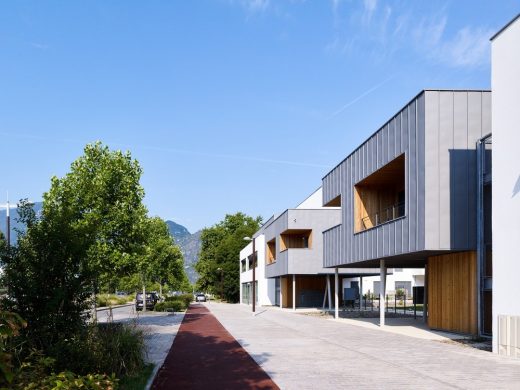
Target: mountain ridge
x,y
188,242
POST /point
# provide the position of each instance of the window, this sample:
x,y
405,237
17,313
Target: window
x,y
270,253
243,266
380,197
296,239
250,261
405,286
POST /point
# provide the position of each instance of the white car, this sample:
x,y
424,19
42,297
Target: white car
x,y
200,298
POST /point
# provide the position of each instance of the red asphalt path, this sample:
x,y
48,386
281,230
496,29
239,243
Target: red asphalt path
x,y
204,355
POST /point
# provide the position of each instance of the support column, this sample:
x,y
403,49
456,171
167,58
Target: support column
x,y
294,292
382,292
336,293
281,296
360,293
328,292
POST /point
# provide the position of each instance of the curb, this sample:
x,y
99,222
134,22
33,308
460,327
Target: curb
x,y
113,307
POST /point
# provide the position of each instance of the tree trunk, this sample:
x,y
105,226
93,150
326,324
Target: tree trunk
x,y
144,297
160,290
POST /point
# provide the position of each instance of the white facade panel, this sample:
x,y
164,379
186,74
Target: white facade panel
x,y
505,81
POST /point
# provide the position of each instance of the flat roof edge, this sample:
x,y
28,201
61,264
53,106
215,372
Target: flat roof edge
x,y
397,113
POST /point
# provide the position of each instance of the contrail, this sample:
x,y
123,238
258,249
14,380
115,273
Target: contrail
x,y
358,98
175,150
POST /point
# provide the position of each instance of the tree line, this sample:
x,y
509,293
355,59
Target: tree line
x,y
93,234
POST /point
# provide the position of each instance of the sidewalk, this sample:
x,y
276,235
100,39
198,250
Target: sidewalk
x,y
305,352
204,355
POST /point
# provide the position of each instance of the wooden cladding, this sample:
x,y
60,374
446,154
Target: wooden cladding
x,y
296,239
270,253
452,292
380,197
336,202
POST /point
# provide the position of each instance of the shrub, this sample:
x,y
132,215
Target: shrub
x,y
68,380
170,306
37,372
111,300
186,299
108,348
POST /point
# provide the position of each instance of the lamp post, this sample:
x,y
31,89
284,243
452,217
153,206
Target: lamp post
x,y
221,283
254,268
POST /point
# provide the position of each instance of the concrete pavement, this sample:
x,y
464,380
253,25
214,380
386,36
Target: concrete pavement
x,y
306,352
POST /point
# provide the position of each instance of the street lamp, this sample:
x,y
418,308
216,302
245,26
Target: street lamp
x,y
254,267
221,284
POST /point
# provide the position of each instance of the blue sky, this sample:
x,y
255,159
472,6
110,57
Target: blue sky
x,y
229,105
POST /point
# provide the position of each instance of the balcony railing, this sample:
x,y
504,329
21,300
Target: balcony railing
x,y
382,216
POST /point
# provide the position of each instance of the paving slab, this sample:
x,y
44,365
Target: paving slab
x,y
306,352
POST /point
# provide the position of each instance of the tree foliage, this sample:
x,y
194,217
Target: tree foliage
x,y
218,265
163,261
92,225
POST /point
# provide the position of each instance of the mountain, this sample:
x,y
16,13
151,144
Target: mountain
x,y
190,247
14,221
189,243
177,231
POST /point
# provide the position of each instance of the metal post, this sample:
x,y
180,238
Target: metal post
x,y
254,275
294,292
395,303
329,295
336,293
382,292
360,293
281,296
222,285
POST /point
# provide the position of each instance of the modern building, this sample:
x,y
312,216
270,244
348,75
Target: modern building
x,y
408,200
289,248
265,288
505,82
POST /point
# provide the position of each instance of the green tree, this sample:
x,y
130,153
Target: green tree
x,y
92,226
163,261
218,258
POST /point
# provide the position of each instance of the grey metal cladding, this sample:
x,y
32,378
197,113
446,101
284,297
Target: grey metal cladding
x,y
455,120
308,261
437,131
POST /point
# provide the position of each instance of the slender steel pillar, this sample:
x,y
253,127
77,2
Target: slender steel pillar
x,y
294,292
336,293
329,292
254,275
360,293
382,292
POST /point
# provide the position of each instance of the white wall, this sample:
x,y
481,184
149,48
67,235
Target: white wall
x,y
505,83
413,275
313,201
266,287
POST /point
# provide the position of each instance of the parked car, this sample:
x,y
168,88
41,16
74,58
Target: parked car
x,y
151,300
200,297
